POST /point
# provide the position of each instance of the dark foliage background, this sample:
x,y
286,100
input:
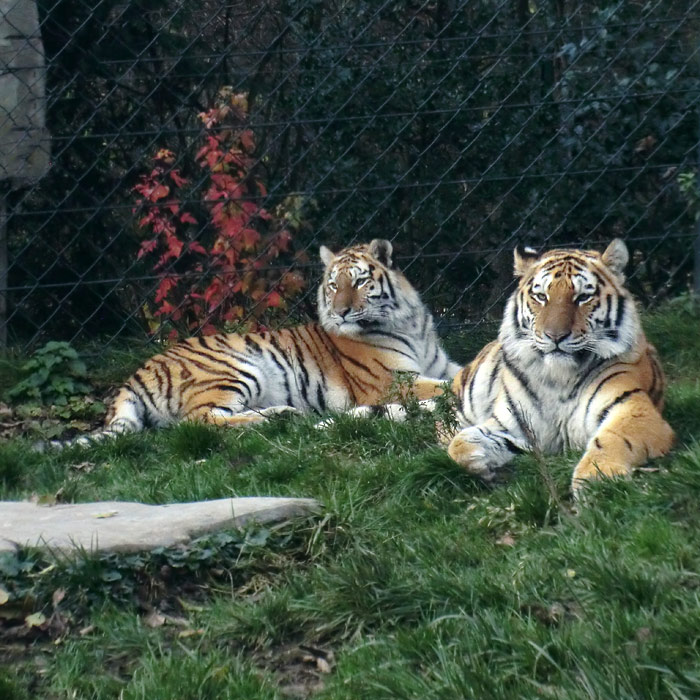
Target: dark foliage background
x,y
456,129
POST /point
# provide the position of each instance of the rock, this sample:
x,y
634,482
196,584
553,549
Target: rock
x,y
24,140
119,526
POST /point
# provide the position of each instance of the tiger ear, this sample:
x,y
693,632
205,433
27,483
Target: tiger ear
x,y
381,249
523,260
616,256
327,255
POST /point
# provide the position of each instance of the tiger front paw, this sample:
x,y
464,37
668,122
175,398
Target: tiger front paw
x,y
355,411
466,449
590,468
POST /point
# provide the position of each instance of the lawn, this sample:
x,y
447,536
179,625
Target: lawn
x,y
417,581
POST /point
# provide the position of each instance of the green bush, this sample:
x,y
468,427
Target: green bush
x,y
54,374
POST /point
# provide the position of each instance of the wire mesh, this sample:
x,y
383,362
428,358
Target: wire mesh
x,y
456,129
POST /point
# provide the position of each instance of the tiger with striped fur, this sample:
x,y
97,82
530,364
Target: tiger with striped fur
x,y
372,324
571,368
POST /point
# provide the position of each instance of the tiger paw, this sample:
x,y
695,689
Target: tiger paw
x,y
590,468
466,450
325,424
355,411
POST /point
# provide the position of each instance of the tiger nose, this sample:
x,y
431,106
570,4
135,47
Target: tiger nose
x,y
556,335
343,312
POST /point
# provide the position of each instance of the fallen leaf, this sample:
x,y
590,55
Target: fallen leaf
x,y
571,573
154,619
35,619
86,467
322,665
45,570
4,596
507,540
180,621
86,630
58,595
189,633
106,514
190,606
645,144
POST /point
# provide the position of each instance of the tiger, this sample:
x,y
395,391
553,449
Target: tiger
x,y
372,323
571,368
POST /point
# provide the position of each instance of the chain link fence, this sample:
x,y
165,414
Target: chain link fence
x,y
202,151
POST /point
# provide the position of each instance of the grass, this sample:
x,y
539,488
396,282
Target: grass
x,y
417,582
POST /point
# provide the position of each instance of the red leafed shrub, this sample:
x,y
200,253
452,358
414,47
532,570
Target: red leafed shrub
x,y
219,254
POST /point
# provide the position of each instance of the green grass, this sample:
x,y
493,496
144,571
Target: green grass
x,y
416,582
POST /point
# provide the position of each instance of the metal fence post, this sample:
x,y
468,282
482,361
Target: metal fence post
x,y
696,241
3,270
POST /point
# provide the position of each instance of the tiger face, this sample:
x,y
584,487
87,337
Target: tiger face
x,y
571,305
361,292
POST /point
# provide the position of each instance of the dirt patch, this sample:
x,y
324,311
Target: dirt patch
x,y
301,669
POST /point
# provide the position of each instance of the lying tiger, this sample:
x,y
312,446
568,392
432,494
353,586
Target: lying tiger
x,y
571,369
372,323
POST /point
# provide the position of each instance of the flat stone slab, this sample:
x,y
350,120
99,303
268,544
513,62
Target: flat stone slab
x,y
120,526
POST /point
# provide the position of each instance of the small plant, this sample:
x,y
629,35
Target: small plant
x,y
401,392
55,374
447,424
442,413
214,241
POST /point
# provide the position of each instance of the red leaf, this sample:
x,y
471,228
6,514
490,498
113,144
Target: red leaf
x,y
175,246
274,299
230,256
166,284
209,117
230,226
158,192
247,140
284,238
166,155
147,247
186,218
146,220
292,282
195,247
252,209
212,291
214,193
250,237
165,308
177,178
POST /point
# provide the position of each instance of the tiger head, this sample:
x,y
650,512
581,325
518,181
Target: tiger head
x,y
361,291
571,305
